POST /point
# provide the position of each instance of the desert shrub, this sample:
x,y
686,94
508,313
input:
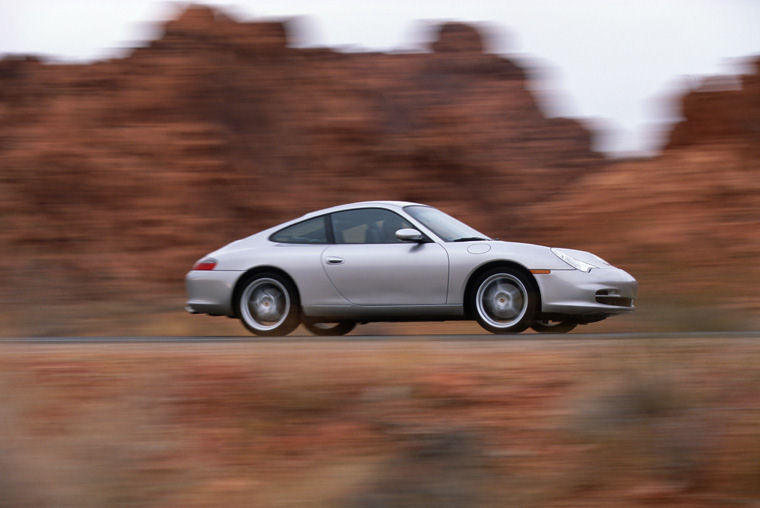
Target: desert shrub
x,y
442,468
642,428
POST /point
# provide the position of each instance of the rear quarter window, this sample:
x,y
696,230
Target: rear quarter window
x,y
309,231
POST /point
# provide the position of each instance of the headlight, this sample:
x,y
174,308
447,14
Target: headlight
x,y
575,263
602,262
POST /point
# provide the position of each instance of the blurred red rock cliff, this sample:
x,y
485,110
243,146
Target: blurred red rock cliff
x,y
115,176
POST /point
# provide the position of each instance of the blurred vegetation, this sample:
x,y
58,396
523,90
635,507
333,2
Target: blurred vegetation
x,y
620,423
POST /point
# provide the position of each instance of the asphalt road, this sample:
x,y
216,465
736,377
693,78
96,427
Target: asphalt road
x,y
386,338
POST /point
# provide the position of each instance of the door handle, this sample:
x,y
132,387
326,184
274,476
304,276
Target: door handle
x,y
332,260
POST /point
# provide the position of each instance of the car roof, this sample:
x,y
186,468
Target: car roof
x,y
361,204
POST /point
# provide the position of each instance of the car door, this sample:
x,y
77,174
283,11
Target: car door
x,y
368,265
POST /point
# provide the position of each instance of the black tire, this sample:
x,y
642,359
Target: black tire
x,y
329,328
552,326
267,304
504,300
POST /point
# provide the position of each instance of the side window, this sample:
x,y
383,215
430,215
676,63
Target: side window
x,y
367,225
308,231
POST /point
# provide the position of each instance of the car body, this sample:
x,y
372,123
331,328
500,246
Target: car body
x,y
401,261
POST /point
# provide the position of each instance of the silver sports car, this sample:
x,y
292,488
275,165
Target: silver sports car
x,y
398,261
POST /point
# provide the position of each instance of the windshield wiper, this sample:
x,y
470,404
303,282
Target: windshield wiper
x,y
470,239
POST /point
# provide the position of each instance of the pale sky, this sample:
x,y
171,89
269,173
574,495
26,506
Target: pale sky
x,y
613,63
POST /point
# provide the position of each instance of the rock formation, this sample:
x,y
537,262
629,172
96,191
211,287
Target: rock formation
x,y
117,175
126,170
687,221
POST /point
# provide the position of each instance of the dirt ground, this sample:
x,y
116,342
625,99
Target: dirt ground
x,y
409,423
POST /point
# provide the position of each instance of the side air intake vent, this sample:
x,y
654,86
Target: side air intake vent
x,y
612,297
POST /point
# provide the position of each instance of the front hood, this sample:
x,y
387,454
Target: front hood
x,y
534,256
529,255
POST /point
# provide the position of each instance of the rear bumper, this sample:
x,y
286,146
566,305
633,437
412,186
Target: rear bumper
x,y
210,291
602,291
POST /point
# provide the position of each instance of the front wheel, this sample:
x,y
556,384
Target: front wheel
x,y
327,329
553,326
267,304
504,300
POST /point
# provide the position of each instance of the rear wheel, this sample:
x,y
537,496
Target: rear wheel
x,y
268,305
329,328
553,326
504,300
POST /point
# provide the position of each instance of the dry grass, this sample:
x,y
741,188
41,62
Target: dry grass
x,y
624,423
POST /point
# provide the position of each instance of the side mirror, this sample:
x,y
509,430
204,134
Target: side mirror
x,y
410,235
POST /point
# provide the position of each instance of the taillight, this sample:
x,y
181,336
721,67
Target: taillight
x,y
205,264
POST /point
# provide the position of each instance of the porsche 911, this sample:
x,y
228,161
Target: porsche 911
x,y
398,261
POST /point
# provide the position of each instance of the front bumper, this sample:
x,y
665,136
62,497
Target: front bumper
x,y
602,291
210,291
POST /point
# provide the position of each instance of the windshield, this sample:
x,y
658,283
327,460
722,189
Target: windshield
x,y
445,226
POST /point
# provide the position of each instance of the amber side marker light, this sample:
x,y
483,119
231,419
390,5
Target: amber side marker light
x,y
541,272
205,264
